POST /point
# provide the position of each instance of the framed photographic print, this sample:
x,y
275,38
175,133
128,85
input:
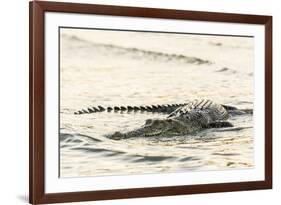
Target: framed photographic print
x,y
139,102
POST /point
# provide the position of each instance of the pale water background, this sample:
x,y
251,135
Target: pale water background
x,y
111,68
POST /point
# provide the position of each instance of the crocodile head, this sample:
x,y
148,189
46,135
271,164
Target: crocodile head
x,y
155,127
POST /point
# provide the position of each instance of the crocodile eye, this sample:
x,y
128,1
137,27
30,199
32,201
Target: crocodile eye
x,y
149,121
155,122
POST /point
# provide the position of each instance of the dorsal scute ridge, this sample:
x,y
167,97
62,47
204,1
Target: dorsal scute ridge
x,y
167,108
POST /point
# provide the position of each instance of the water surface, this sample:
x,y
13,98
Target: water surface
x,y
111,68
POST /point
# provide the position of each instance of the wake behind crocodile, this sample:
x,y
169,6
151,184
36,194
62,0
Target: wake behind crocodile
x,y
136,53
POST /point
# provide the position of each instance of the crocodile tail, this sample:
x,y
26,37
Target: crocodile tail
x,y
90,110
169,108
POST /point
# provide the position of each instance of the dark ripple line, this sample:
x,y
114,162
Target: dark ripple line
x,y
232,129
226,154
98,150
189,159
153,158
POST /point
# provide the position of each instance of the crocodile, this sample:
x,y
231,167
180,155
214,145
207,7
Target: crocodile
x,y
182,119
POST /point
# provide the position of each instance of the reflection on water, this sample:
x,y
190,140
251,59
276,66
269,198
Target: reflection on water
x,y
127,68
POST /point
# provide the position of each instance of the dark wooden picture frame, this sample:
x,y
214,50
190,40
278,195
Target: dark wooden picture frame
x,y
37,98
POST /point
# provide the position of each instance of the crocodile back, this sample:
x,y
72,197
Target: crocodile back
x,y
205,110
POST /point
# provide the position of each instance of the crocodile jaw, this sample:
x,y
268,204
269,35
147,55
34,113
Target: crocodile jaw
x,y
153,128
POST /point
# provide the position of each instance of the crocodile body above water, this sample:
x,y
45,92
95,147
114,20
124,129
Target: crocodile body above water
x,y
182,119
